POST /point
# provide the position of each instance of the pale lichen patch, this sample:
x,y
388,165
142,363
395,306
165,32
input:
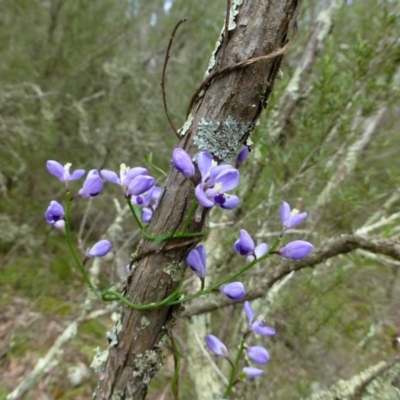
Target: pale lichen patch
x,y
118,395
233,13
99,360
112,334
220,138
186,126
175,271
144,322
147,366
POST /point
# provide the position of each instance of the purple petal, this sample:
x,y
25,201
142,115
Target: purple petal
x,y
216,171
54,213
156,193
110,176
92,185
242,156
296,250
146,215
229,179
202,253
133,173
55,169
219,199
140,184
258,354
216,346
183,163
204,162
244,245
201,196
234,290
249,311
252,372
100,249
297,219
77,174
231,202
196,260
261,250
285,213
93,172
262,330
60,225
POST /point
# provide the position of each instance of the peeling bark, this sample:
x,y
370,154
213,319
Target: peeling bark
x,y
222,117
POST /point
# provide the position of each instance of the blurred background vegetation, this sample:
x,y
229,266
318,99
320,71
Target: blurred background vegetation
x,y
80,83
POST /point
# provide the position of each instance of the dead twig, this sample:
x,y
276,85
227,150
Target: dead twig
x,y
180,22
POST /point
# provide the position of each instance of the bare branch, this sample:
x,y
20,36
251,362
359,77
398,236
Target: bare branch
x,y
332,248
376,382
180,22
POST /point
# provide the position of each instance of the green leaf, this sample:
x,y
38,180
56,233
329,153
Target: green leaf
x,y
161,238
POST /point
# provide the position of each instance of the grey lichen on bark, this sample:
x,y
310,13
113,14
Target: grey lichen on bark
x,y
214,136
175,271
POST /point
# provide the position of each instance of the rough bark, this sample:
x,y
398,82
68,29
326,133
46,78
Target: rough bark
x,y
221,118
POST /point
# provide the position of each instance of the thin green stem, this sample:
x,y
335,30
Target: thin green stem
x,y
189,217
130,205
138,221
72,249
161,171
232,377
229,278
112,295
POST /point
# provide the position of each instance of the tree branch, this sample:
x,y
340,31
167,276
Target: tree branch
x,y
332,248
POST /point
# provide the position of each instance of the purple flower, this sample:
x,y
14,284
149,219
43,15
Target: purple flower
x,y
245,246
62,172
92,185
296,250
183,163
216,346
149,198
252,372
291,218
215,182
55,215
140,184
126,175
196,260
234,290
257,325
100,249
258,354
259,251
148,202
147,214
242,156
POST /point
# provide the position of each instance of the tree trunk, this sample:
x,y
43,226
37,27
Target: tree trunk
x,y
222,117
